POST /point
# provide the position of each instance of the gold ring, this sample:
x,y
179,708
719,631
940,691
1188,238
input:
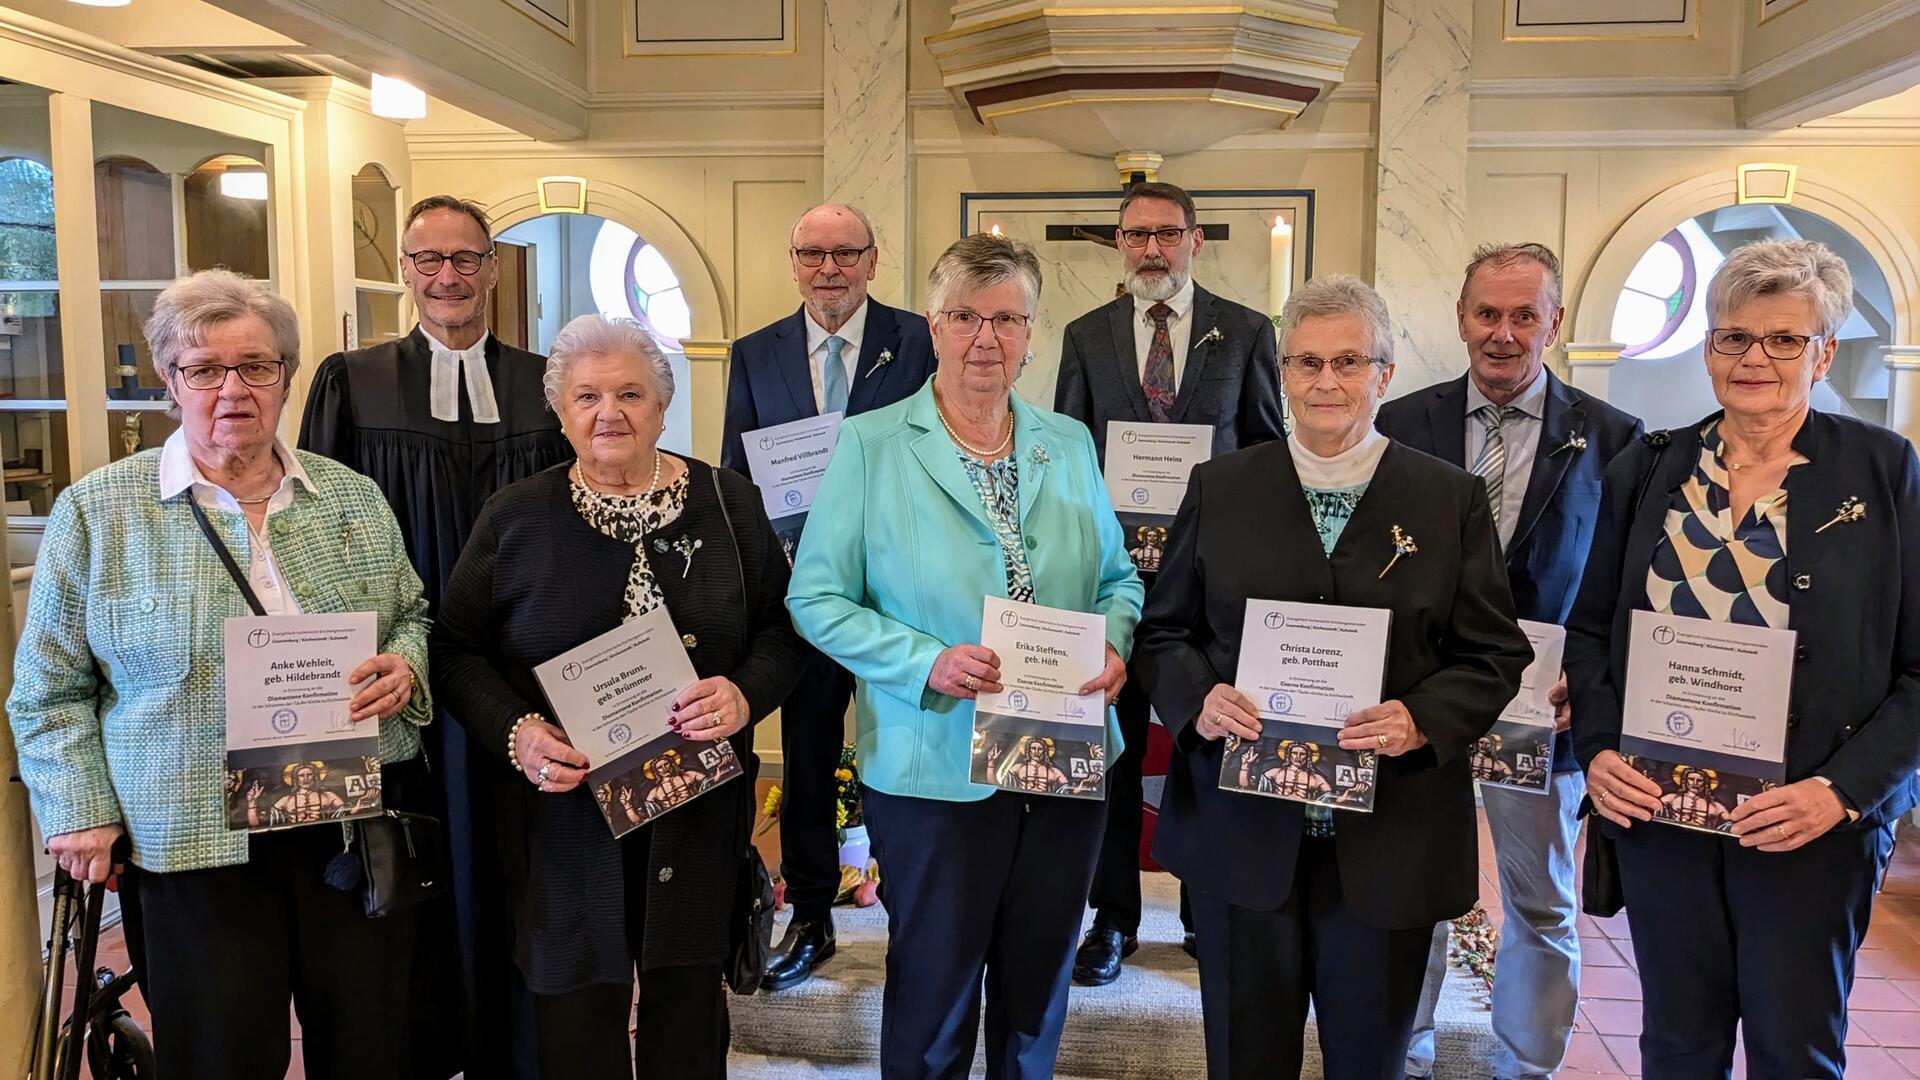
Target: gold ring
x,y
1383,741
971,682
1782,830
1599,795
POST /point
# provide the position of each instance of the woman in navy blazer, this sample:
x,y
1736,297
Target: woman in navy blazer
x,y
1770,514
961,492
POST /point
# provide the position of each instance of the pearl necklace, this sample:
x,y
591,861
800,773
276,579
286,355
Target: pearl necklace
x,y
969,447
581,475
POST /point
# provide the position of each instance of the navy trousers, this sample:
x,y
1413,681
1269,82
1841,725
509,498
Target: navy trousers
x,y
1260,969
979,891
812,729
1725,934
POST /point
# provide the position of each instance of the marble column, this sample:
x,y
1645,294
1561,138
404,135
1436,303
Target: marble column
x,y
1903,389
865,131
1420,194
1590,366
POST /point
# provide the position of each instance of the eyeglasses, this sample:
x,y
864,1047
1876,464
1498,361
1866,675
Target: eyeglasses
x,y
1347,367
214,376
967,323
465,263
1137,238
841,256
1776,346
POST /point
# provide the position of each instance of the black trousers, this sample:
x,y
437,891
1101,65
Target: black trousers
x,y
1115,896
224,950
1726,935
812,728
1259,970
979,891
681,1030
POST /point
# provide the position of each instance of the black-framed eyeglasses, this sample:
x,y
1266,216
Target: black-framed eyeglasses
x,y
214,376
1137,238
1776,346
1347,367
465,263
967,323
841,256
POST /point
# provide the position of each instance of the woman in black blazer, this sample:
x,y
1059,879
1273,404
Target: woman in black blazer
x,y
556,560
1769,514
1294,902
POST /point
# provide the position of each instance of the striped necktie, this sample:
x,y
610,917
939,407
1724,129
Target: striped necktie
x,y
1492,463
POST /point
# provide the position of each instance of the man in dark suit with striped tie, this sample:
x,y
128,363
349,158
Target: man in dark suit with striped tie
x,y
841,352
1541,447
1168,352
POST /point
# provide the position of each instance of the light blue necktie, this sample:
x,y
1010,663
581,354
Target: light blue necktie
x,y
833,377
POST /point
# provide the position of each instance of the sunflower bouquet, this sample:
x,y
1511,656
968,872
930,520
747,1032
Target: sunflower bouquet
x,y
859,875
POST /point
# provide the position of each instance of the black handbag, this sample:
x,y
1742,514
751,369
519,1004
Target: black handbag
x,y
397,858
750,929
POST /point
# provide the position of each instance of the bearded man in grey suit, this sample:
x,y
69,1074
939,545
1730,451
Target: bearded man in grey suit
x,y
1168,352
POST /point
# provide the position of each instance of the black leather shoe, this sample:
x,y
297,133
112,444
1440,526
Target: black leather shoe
x,y
1097,961
807,943
1187,946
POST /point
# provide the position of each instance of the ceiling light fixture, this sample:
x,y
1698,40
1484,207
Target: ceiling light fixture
x,y
397,99
244,184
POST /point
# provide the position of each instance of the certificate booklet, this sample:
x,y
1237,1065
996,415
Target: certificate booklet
x,y
1040,735
1518,752
1704,714
293,756
613,696
1305,667
788,461
1146,471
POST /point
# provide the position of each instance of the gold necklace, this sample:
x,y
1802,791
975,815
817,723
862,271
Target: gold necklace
x,y
967,446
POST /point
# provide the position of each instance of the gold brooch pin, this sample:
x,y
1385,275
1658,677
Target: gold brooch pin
x,y
1402,545
1851,510
1575,442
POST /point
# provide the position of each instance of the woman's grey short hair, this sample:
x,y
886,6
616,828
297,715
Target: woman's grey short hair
x,y
1804,268
188,308
982,261
597,335
1340,294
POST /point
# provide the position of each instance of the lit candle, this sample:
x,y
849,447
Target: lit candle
x,y
1279,264
995,230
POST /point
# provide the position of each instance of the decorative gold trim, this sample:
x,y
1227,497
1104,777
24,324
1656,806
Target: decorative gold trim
x,y
629,51
567,37
1082,13
989,118
1507,10
705,352
1593,354
1760,11
1227,52
546,207
1740,181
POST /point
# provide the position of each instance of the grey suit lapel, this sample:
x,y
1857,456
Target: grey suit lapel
x,y
1123,364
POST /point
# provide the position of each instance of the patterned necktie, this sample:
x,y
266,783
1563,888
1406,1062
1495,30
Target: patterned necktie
x,y
1157,380
833,377
1492,465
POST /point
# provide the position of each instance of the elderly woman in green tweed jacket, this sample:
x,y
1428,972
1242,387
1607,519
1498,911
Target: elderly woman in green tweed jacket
x,y
118,705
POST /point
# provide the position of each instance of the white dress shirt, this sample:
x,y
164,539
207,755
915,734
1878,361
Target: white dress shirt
x,y
817,336
450,367
178,472
1179,331
1522,434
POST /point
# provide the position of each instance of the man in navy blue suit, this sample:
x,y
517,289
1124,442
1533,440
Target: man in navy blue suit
x,y
1542,447
841,352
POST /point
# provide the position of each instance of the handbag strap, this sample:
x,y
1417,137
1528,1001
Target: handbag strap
x,y
226,557
739,567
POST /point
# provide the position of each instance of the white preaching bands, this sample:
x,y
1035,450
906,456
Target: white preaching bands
x,y
449,367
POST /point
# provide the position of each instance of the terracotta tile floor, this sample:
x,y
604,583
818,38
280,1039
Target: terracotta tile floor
x,y
1884,1035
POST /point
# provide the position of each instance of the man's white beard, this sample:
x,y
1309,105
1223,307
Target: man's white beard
x,y
1154,289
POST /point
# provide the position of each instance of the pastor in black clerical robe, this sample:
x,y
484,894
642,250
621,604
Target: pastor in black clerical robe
x,y
370,410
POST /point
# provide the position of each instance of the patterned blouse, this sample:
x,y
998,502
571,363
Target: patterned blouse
x,y
1706,566
628,519
1331,509
998,485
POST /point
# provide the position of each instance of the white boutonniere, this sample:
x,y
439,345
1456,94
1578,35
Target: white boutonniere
x,y
1576,442
1039,454
1212,335
886,357
1850,511
685,545
1402,545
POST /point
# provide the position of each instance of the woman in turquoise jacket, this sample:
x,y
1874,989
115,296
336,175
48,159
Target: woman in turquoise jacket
x,y
959,493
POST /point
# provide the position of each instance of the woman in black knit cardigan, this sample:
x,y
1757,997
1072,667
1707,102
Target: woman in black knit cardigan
x,y
556,560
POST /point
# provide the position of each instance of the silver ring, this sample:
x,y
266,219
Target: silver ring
x,y
541,776
971,682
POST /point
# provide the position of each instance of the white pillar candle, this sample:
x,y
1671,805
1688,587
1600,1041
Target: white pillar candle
x,y
1279,264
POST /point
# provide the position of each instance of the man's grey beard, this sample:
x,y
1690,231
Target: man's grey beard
x,y
1154,290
